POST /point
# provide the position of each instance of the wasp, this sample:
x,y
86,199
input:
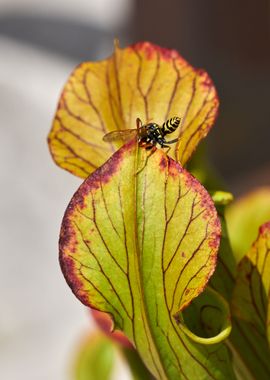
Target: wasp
x,y
148,135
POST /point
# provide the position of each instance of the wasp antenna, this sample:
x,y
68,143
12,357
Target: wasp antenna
x,y
138,123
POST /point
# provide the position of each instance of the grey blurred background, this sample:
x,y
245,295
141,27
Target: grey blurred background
x,y
231,41
41,322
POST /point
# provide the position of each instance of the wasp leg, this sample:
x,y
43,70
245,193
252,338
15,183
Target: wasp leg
x,y
169,148
147,146
172,141
169,142
166,146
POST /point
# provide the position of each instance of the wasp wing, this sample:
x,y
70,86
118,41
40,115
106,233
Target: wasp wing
x,y
121,135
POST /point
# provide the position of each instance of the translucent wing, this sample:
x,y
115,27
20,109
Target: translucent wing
x,y
121,135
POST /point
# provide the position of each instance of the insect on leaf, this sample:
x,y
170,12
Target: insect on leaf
x,y
141,81
141,246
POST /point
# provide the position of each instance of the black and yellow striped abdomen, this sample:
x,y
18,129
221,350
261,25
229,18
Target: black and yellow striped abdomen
x,y
170,125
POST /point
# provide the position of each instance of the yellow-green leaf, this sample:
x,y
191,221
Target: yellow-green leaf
x,y
141,245
250,353
223,280
100,358
250,305
96,359
142,80
208,318
244,217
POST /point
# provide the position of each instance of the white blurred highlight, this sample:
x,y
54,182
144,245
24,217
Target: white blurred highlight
x,y
104,13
